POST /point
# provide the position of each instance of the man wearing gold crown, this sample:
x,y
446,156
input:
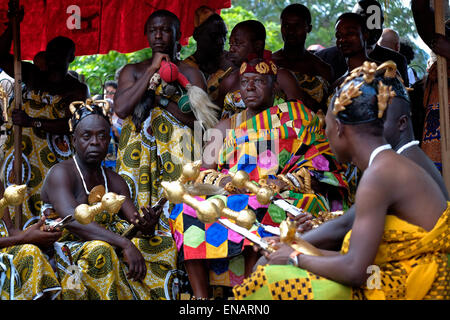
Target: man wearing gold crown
x,y
282,147
394,250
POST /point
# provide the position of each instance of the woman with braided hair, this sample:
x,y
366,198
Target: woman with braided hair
x,y
393,251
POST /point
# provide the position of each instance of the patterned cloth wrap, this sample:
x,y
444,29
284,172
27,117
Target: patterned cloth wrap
x,y
31,273
314,86
431,139
41,150
292,138
94,270
413,262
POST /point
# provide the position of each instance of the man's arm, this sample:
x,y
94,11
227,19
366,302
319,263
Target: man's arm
x,y
350,269
130,90
59,181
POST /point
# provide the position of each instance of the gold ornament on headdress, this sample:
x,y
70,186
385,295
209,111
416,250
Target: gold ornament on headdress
x,y
262,68
391,69
369,69
274,67
243,67
346,96
385,95
74,106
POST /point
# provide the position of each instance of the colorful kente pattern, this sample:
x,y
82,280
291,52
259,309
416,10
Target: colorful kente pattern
x,y
291,138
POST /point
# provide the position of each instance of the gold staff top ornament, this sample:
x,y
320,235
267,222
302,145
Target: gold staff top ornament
x,y
241,179
13,196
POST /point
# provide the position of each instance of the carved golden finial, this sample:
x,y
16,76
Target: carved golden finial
x,y
241,179
385,95
4,97
391,69
369,69
13,196
208,211
346,96
111,202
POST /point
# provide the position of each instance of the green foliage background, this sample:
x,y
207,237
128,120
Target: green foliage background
x,y
96,69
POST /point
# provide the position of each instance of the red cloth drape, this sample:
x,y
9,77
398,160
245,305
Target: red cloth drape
x,y
105,24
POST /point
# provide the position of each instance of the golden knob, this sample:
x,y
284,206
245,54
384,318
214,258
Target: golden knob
x,y
13,196
111,202
241,179
289,236
190,171
207,211
244,218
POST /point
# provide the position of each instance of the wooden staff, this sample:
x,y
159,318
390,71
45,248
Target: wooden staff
x,y
444,114
17,165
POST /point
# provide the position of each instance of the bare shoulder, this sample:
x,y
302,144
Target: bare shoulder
x,y
323,68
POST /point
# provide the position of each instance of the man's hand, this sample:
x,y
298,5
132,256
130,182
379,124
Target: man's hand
x,y
21,118
281,255
146,223
135,261
41,238
157,58
302,221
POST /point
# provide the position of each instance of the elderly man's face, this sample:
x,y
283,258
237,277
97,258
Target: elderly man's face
x,y
91,139
257,90
161,35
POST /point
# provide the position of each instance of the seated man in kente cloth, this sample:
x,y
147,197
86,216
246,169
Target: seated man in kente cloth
x,y
111,265
394,250
281,146
22,259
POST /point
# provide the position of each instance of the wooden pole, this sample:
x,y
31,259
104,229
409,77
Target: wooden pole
x,y
17,165
444,112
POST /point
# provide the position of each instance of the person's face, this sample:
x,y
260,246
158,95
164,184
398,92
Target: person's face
x,y
256,90
213,38
91,139
240,46
294,30
161,35
109,92
349,37
331,131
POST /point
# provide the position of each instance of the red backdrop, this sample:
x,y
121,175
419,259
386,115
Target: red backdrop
x,y
105,24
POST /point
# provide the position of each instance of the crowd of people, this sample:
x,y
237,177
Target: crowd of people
x,y
335,130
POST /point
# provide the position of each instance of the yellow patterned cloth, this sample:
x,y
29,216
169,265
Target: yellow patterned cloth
x,y
40,150
413,264
31,272
94,270
155,154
